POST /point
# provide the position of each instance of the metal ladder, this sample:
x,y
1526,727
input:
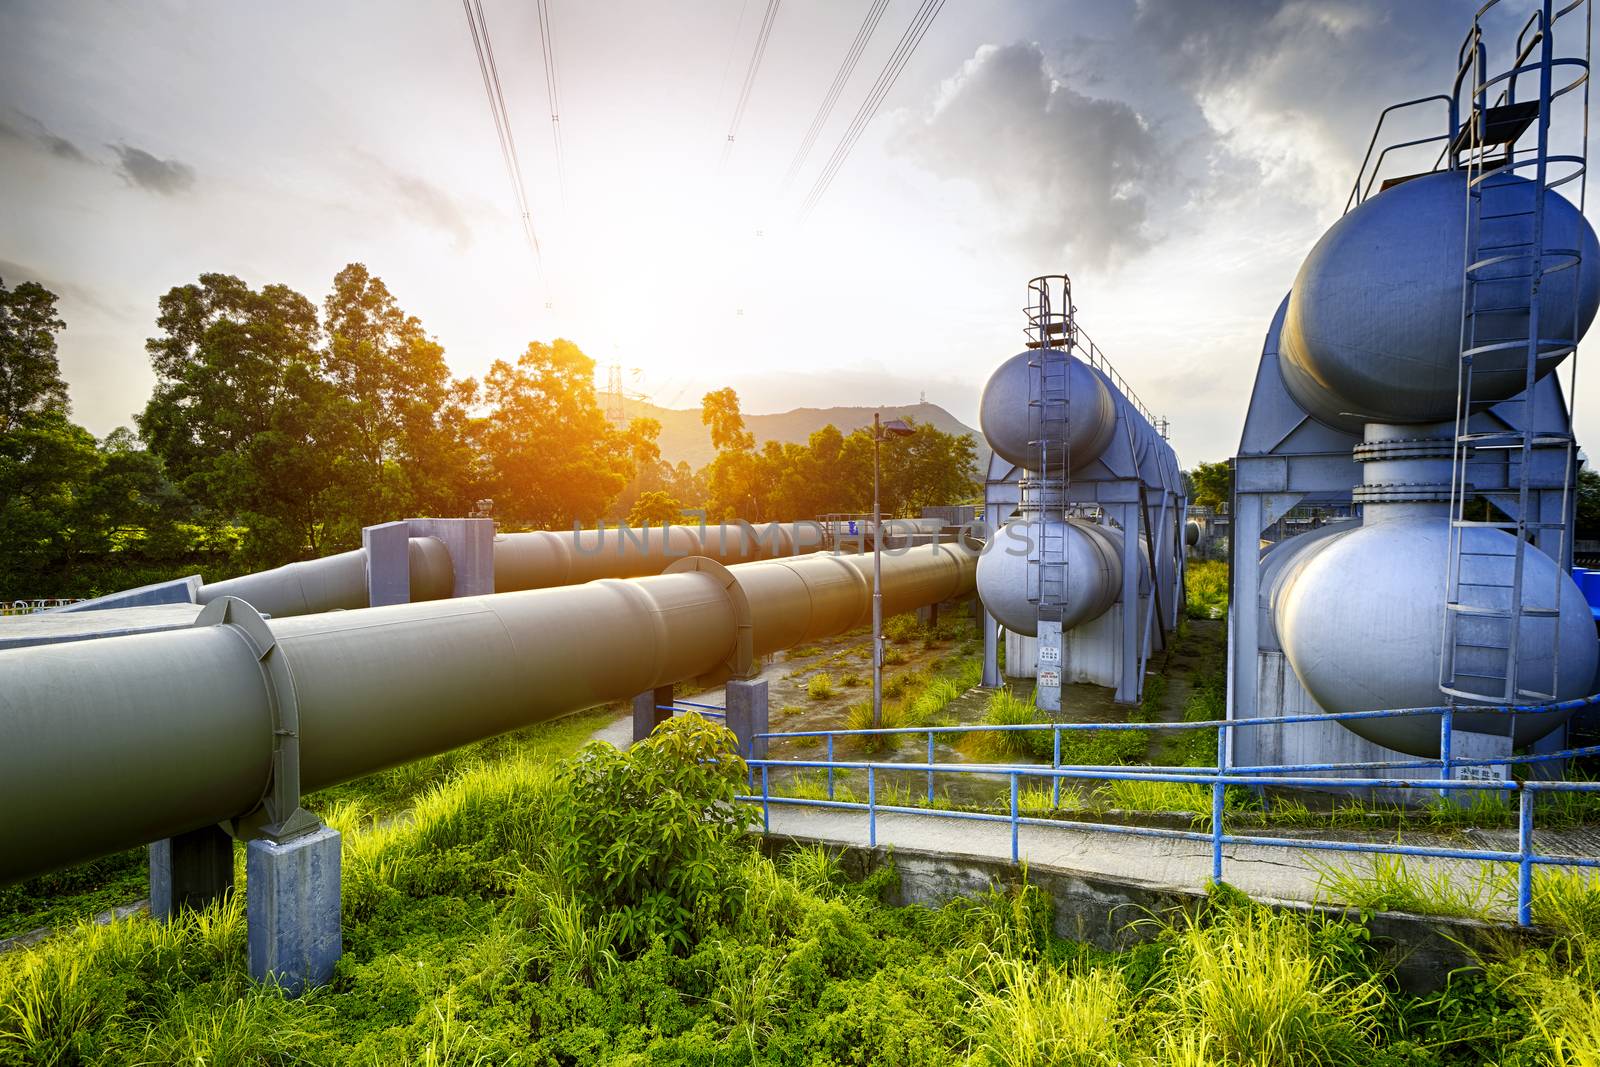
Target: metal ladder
x,y
1507,262
1052,333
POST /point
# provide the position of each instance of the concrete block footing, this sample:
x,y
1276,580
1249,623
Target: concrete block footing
x,y
190,870
292,909
746,705
647,713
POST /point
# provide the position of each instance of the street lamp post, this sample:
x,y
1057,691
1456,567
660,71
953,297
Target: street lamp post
x,y
880,430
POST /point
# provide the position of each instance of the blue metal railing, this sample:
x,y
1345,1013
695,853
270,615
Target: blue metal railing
x,y
710,711
1217,777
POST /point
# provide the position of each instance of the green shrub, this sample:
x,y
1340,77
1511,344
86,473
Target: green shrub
x,y
650,835
820,687
902,627
853,680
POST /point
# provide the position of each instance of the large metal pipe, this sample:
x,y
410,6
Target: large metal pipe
x,y
536,560
108,744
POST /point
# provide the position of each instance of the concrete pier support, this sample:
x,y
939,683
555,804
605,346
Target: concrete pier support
x,y
746,704
647,713
292,909
190,870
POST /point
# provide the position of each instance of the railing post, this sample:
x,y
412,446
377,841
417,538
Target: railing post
x,y
872,809
1446,732
1013,816
1219,792
830,766
1055,764
766,807
1525,858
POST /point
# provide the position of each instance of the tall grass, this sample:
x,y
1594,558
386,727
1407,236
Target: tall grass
x,y
1254,985
1025,1014
1206,582
1392,883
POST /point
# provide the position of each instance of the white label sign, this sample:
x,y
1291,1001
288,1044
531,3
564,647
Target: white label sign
x,y
1049,677
1049,654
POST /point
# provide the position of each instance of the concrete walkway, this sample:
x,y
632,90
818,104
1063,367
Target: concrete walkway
x,y
1263,872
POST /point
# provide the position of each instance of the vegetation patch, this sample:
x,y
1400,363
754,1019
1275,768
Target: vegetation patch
x,y
609,909
1206,584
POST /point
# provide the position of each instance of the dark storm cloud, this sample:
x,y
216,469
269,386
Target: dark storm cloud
x,y
145,171
1075,170
19,126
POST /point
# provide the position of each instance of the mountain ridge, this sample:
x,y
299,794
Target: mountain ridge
x,y
685,438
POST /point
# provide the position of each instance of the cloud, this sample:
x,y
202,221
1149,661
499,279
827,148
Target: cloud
x,y
139,168
1293,86
1069,170
20,126
432,205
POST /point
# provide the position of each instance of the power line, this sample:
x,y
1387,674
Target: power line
x,y
502,123
547,42
896,63
846,68
762,37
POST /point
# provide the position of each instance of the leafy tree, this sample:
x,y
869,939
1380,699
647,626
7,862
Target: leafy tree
x,y
554,457
46,464
1587,527
654,508
1212,485
408,423
928,468
30,376
242,416
719,411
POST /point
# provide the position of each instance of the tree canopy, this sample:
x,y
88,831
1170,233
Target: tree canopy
x,y
279,427
1211,484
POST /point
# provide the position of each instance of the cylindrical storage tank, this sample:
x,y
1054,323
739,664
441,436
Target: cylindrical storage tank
x,y
1093,574
1360,611
1008,421
1373,329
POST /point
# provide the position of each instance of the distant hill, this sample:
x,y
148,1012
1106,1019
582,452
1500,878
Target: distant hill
x,y
685,438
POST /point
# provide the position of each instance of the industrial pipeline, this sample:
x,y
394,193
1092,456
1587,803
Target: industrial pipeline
x,y
109,744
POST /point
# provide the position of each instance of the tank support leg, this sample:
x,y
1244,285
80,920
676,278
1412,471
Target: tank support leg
x,y
747,715
648,713
190,871
292,909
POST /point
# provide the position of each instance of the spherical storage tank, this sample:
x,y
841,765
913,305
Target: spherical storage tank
x,y
1007,421
1093,574
1373,328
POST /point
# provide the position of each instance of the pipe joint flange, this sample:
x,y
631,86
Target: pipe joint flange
x,y
742,662
1400,493
1403,448
278,815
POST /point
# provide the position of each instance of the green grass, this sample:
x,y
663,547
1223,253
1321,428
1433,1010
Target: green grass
x,y
471,940
1206,582
1079,748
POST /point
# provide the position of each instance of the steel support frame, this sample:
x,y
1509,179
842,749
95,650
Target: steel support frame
x,y
1287,458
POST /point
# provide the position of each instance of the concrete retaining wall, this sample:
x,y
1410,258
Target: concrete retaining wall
x,y
1113,914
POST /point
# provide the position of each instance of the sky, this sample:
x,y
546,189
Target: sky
x,y
1177,158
